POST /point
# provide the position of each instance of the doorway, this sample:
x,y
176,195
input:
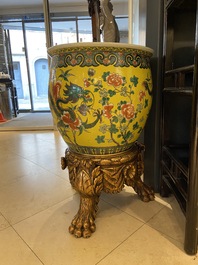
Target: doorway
x,y
37,63
42,76
30,64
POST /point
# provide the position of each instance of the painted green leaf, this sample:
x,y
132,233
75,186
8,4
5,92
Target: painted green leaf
x,y
123,120
100,139
113,129
104,76
146,103
128,135
65,75
136,126
115,119
122,102
80,130
111,93
104,101
134,80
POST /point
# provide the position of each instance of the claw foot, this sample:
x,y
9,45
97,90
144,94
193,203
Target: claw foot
x,y
145,193
83,224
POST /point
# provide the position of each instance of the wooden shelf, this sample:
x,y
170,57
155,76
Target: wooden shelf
x,y
175,172
182,70
179,143
178,154
180,75
183,90
178,195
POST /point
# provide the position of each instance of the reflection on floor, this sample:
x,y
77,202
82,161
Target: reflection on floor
x,y
37,204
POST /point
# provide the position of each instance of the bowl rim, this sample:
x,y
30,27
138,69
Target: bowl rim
x,y
52,49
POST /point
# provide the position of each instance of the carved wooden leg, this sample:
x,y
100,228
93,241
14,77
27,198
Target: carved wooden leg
x,y
133,173
86,178
90,174
83,224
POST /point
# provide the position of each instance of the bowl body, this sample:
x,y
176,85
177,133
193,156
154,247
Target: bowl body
x,y
100,94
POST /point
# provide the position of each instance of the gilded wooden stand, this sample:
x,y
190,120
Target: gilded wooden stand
x,y
90,175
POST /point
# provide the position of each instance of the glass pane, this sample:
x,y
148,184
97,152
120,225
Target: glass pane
x,y
38,64
123,29
64,32
85,30
19,64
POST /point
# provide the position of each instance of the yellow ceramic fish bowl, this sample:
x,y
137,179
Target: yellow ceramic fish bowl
x,y
100,95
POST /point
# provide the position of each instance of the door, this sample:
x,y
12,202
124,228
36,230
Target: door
x,y
18,62
37,64
42,77
18,80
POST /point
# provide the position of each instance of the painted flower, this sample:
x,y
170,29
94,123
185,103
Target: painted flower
x,y
106,61
73,61
123,91
121,62
103,93
83,109
142,94
56,90
66,118
128,111
135,63
88,60
107,111
91,72
89,53
115,80
99,83
86,83
104,128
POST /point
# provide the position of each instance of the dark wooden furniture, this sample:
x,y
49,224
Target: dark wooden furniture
x,y
180,112
13,95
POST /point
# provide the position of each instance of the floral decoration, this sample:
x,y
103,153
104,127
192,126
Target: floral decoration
x,y
101,106
114,120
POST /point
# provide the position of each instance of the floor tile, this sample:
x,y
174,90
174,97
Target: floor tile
x,y
130,203
148,246
13,169
46,233
3,223
32,194
37,205
170,221
14,251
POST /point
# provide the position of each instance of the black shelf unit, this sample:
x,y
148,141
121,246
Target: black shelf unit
x,y
179,135
13,95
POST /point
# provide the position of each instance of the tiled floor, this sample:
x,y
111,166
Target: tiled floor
x,y
37,205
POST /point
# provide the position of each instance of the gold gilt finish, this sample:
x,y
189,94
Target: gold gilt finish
x,y
90,175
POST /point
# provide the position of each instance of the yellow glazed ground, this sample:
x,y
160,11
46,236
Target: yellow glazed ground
x,y
99,102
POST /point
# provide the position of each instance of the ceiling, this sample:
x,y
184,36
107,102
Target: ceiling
x,y
20,7
22,3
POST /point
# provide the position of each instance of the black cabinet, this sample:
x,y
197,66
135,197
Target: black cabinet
x,y
179,134
13,95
